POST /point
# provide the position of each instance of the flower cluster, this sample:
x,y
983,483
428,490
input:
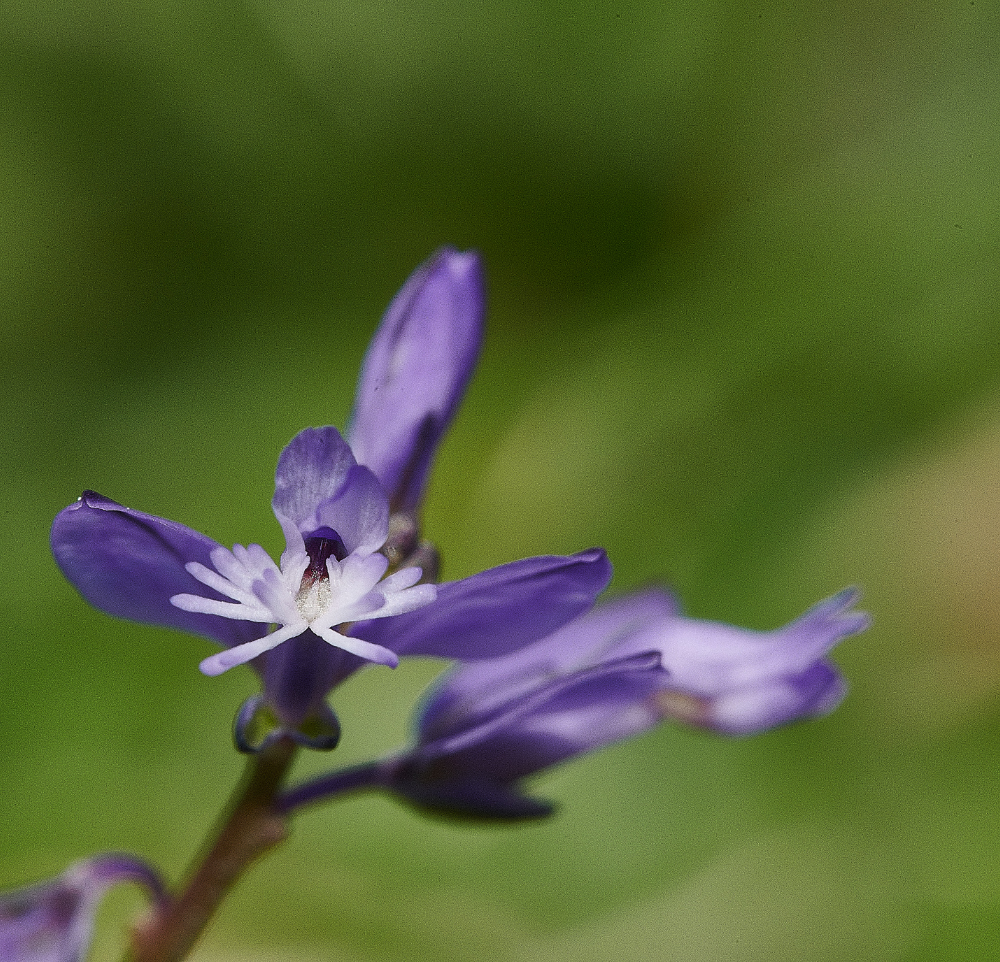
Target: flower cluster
x,y
355,585
541,675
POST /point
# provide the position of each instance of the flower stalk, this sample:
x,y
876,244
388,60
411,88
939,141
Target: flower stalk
x,y
253,826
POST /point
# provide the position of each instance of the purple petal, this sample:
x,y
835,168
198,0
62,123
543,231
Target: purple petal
x,y
471,799
614,629
299,674
749,711
496,612
359,512
474,769
53,921
742,682
129,564
319,484
416,371
708,658
559,719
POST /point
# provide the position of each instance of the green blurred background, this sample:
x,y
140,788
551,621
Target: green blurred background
x,y
743,333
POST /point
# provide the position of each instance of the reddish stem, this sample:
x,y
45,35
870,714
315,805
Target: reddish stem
x,y
253,826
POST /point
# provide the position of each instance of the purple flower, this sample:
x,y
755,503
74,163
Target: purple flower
x,y
611,674
53,921
326,598
416,371
349,586
335,517
490,724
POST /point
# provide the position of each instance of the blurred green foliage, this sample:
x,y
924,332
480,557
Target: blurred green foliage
x,y
743,333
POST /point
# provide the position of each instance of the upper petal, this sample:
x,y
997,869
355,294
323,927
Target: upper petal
x,y
416,371
495,612
319,484
129,564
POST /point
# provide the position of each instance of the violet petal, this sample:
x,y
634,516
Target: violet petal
x,y
613,629
318,484
416,371
129,564
498,611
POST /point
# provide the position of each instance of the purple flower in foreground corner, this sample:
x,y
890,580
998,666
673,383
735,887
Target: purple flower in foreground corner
x,y
326,599
611,674
53,921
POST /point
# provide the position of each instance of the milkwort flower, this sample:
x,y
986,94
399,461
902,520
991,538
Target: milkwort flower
x,y
345,580
611,674
53,921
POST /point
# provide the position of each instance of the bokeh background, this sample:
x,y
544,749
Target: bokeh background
x,y
743,332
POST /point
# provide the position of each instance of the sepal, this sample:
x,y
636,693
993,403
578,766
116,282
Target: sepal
x,y
256,727
467,800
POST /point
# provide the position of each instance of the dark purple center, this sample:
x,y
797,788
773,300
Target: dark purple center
x,y
322,545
